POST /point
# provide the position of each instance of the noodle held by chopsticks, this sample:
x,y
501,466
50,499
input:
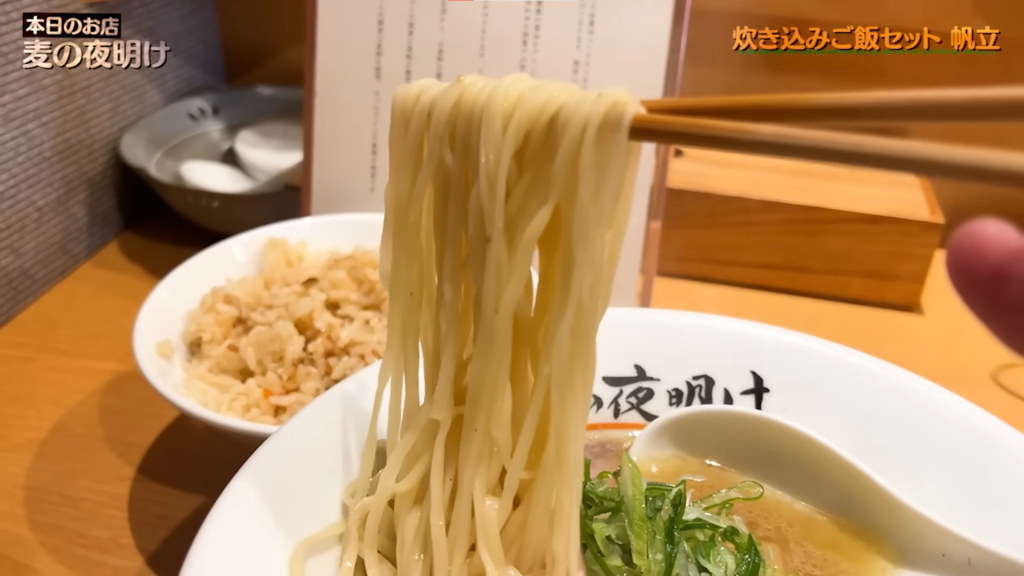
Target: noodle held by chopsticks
x,y
483,470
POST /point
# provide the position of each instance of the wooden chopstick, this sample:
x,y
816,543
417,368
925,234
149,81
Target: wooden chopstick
x,y
926,158
921,105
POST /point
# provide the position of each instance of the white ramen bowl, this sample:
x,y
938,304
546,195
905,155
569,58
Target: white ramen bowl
x,y
164,312
935,449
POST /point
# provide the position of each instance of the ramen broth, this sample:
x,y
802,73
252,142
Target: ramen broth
x,y
796,539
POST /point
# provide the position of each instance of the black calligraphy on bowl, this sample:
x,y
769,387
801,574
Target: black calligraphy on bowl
x,y
634,393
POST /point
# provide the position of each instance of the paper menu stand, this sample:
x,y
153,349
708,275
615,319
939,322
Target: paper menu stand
x,y
367,49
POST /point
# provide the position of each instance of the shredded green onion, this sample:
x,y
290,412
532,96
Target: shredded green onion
x,y
631,527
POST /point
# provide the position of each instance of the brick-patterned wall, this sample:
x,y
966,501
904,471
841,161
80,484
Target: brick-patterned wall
x,y
62,191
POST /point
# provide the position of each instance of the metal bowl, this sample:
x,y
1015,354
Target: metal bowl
x,y
203,127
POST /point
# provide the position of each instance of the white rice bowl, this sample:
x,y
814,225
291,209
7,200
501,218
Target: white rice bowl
x,y
240,340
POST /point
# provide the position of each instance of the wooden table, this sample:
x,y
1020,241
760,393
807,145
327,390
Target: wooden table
x,y
98,475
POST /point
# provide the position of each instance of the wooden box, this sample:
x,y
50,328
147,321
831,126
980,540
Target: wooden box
x,y
837,232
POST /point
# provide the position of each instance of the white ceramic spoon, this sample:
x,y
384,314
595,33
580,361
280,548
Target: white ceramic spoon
x,y
806,467
216,176
271,151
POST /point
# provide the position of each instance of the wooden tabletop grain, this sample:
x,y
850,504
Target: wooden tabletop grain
x,y
98,475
